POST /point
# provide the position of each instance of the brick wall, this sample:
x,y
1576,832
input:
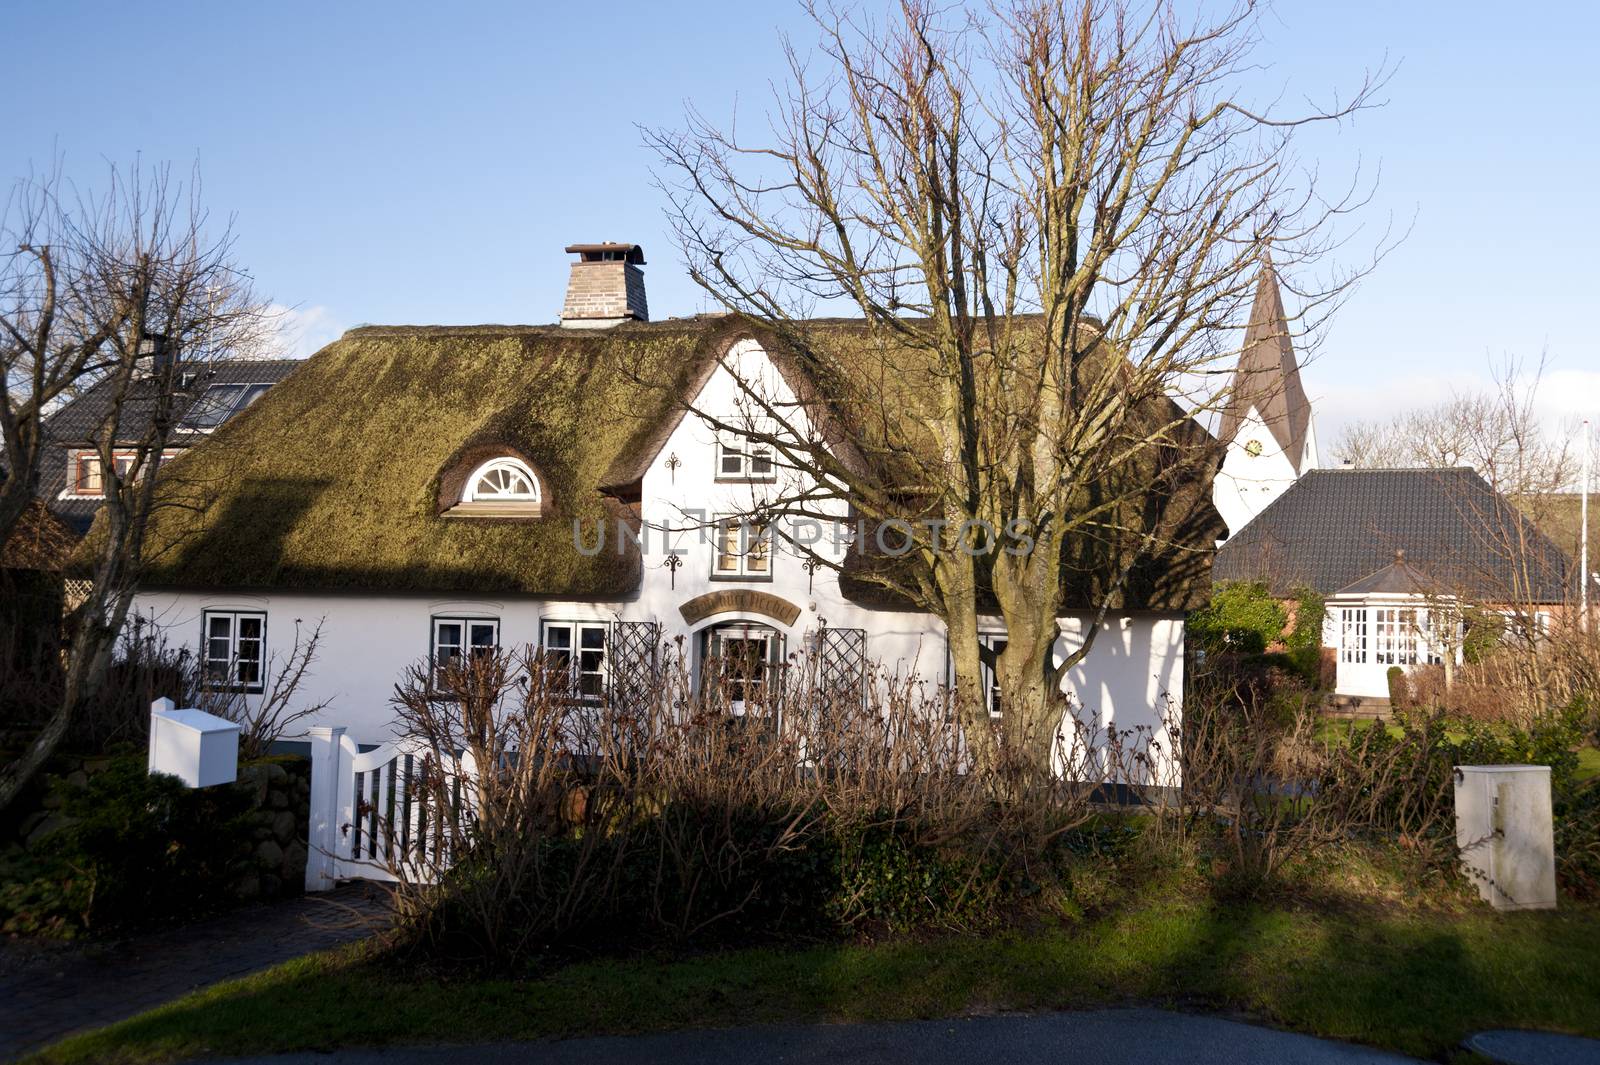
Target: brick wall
x,y
605,290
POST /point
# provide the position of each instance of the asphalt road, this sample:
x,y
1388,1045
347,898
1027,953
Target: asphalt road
x,y
1098,1037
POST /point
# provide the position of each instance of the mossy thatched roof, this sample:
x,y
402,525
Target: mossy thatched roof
x,y
331,480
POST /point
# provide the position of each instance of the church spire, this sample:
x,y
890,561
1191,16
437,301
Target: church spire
x,y
1267,379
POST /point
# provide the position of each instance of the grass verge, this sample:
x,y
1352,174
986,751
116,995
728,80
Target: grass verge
x,y
1414,982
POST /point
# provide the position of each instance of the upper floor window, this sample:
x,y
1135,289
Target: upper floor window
x,y
743,548
454,637
85,476
218,403
504,487
234,645
744,460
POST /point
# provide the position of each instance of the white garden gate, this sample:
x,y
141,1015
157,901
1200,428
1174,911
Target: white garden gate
x,y
369,818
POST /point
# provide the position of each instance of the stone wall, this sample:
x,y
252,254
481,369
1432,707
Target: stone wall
x,y
279,790
281,801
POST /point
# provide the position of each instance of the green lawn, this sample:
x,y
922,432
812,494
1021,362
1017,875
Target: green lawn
x,y
1413,982
1588,763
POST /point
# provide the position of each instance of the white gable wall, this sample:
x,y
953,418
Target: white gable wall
x,y
1126,682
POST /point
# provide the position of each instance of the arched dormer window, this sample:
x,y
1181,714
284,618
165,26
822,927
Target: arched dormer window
x,y
502,480
503,486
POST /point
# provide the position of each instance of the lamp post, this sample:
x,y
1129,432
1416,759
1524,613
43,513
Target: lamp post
x,y
1583,529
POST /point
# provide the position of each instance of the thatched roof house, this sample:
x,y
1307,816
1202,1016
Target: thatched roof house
x,y
343,477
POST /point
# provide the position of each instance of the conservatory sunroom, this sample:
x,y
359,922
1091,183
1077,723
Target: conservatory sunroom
x,y
1390,618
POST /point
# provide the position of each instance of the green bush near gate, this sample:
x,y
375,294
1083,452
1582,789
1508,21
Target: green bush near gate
x,y
124,849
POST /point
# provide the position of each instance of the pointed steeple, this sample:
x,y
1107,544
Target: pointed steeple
x,y
1268,378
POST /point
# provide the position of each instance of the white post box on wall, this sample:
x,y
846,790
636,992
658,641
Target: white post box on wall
x,y
1505,832
198,748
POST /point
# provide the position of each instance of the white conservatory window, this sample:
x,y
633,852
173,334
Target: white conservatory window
x,y
1353,635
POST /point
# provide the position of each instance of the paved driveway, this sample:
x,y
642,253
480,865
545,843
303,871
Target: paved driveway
x,y
50,990
1097,1037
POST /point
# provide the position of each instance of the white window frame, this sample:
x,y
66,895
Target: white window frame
x,y
1354,634
751,559
532,497
994,642
745,454
224,669
575,631
468,623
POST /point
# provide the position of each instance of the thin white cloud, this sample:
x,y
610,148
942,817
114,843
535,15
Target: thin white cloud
x,y
1564,398
302,331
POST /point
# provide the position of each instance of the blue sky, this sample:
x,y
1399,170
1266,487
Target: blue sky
x,y
428,162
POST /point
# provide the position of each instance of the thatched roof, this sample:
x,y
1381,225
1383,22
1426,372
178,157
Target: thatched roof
x,y
334,479
331,480
40,540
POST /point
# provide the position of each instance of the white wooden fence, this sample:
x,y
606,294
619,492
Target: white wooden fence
x,y
370,819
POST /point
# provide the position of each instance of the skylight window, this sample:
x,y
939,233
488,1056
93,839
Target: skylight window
x,y
219,403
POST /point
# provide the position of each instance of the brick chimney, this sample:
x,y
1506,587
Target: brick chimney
x,y
606,287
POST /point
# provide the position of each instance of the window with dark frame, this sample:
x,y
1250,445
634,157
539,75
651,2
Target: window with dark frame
x,y
575,653
218,403
744,461
235,642
990,647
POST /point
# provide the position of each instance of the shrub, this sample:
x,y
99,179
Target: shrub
x,y
1242,617
679,822
137,850
1304,642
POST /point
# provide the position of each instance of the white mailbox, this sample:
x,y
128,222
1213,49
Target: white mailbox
x,y
198,748
1505,832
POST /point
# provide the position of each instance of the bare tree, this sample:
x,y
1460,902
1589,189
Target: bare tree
x,y
121,290
1049,220
1497,431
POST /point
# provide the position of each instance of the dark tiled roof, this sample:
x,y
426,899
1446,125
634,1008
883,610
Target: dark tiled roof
x,y
1397,578
1333,528
1268,378
76,423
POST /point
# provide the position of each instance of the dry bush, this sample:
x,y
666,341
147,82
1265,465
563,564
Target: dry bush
x,y
1517,683
714,809
1260,777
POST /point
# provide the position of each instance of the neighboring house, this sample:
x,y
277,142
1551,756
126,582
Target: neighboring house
x,y
1399,555
209,395
1267,427
426,490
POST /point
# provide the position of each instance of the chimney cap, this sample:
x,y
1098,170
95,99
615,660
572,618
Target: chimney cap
x,y
608,252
